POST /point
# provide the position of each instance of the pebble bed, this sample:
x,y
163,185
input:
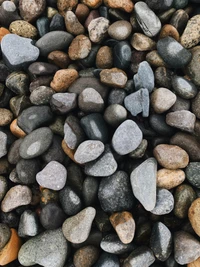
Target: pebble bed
x,y
100,133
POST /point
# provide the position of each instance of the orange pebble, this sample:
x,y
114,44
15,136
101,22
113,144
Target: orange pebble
x,y
3,32
68,151
10,252
18,132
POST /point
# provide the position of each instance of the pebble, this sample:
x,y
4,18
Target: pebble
x,y
41,95
16,196
36,251
195,105
192,173
42,24
181,104
90,100
27,169
116,96
124,225
70,201
183,198
10,252
63,6
5,235
107,259
173,53
192,69
140,151
76,229
113,77
169,30
193,215
161,241
30,118
55,152
13,153
95,127
190,36
105,165
82,11
164,202
86,256
42,68
142,42
3,32
194,263
143,182
159,125
183,87
97,29
63,103
18,82
88,151
171,156
162,99
90,190
115,114
169,179
72,24
147,19
36,143
53,176
138,102
48,221
55,40
3,144
179,20
30,11
186,248
120,30
104,57
112,244
80,47
122,55
141,256
154,59
183,120
59,58
63,79
144,77
23,28
28,225
3,187
123,5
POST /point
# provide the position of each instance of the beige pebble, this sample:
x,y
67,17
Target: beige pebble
x,y
80,47
194,216
162,99
6,116
141,42
113,77
169,179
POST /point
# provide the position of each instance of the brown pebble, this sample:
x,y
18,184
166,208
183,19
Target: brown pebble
x,y
10,252
64,5
162,99
32,9
82,11
3,32
6,116
86,256
195,263
23,28
169,30
194,216
169,179
59,58
72,24
113,77
154,59
124,226
125,5
141,42
80,47
92,3
4,166
63,79
171,156
15,130
104,58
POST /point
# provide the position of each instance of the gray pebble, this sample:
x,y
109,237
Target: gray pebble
x,y
41,95
116,96
28,225
5,235
144,77
90,190
90,100
18,82
55,151
42,68
63,102
183,87
140,151
193,173
115,114
180,104
3,187
27,169
127,137
97,29
3,144
53,176
26,51
164,202
13,153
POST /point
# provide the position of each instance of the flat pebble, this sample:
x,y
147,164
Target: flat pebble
x,y
169,179
36,251
143,182
76,229
28,225
90,100
113,77
171,156
53,176
127,137
16,196
162,99
186,248
121,197
164,202
144,77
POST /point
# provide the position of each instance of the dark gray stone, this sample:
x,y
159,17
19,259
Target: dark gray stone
x,y
173,53
158,124
107,260
13,153
90,100
122,55
143,182
18,82
159,5
144,77
164,202
28,224
57,23
5,235
116,96
115,114
183,87
3,187
42,26
181,104
193,173
42,68
27,169
36,143
115,193
90,190
26,51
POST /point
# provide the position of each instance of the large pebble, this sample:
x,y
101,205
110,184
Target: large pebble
x,y
113,77
18,195
37,251
164,202
41,95
144,77
105,165
115,114
143,182
27,52
186,248
171,156
53,176
162,99
173,53
147,19
79,48
76,229
127,137
36,143
169,179
27,169
115,193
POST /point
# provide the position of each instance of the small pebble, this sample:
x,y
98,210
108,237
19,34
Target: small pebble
x,y
115,114
28,225
5,235
90,100
123,5
141,42
190,36
104,58
3,187
72,24
63,103
97,29
193,215
164,202
113,77
79,48
183,87
169,179
3,144
86,256
30,11
26,170
120,30
144,77
192,174
41,95
107,259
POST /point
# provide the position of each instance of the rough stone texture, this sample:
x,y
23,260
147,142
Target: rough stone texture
x,y
23,28
76,229
183,87
162,99
193,173
80,47
124,5
86,256
3,187
190,36
5,235
113,77
120,30
63,103
164,202
144,77
36,251
72,24
143,182
32,9
3,144
195,105
97,29
90,101
194,215
169,179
